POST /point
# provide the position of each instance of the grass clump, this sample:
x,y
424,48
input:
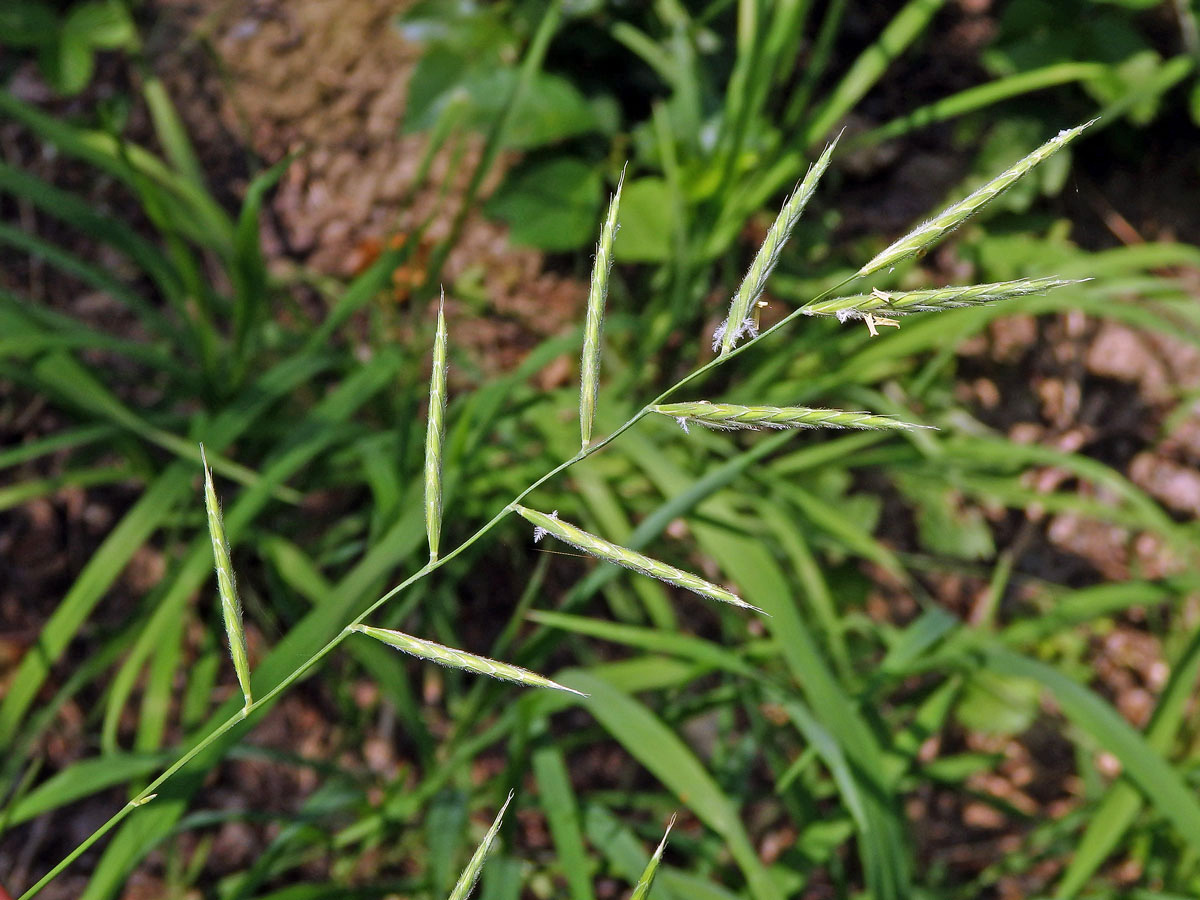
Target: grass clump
x,y
884,879
824,709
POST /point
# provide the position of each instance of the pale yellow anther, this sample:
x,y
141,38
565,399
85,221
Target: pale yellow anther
x,y
874,322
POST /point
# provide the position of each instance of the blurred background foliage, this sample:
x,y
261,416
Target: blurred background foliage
x,y
978,676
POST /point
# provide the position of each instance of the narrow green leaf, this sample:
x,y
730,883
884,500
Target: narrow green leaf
x,y
660,750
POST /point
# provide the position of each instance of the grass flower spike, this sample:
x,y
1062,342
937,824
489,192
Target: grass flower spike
x,y
730,415
623,556
435,435
589,369
460,659
901,302
642,889
470,874
953,216
738,322
231,608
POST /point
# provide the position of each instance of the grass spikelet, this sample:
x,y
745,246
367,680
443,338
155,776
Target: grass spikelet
x,y
589,369
231,608
641,890
738,322
435,435
902,302
953,216
466,881
730,415
623,556
460,659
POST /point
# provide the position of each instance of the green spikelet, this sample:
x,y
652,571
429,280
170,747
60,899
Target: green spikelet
x,y
642,889
623,556
755,282
729,415
589,369
459,659
231,608
470,874
435,435
953,216
901,302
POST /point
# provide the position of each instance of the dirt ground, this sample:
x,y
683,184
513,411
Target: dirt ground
x,y
329,77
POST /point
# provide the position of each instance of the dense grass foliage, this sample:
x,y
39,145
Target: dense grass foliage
x,y
803,738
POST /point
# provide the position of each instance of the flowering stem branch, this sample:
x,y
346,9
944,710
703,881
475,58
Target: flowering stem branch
x,y
147,794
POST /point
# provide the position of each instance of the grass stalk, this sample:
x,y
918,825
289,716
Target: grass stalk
x,y
916,240
421,573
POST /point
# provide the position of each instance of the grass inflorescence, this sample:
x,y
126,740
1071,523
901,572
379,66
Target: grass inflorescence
x,y
622,556
933,230
732,415
769,543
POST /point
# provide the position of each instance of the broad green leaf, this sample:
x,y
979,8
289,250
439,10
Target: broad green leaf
x,y
68,62
551,205
102,24
647,222
27,23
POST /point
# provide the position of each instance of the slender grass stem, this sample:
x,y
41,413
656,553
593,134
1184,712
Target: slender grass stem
x,y
146,794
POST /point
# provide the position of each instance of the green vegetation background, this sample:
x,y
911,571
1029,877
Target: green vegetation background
x,y
812,756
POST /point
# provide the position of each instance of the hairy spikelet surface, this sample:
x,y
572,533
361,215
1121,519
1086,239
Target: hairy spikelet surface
x,y
231,607
459,659
730,415
641,890
623,556
901,302
755,282
589,369
470,874
435,435
950,218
